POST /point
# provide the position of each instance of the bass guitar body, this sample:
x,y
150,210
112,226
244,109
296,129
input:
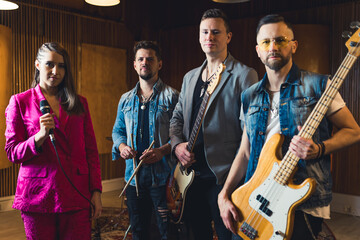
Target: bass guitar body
x,y
267,207
177,186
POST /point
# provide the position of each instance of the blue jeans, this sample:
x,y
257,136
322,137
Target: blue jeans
x,y
140,207
201,208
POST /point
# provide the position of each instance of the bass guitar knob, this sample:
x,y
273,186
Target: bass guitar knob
x,y
355,24
346,34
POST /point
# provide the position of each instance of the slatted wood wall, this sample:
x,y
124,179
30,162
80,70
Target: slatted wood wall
x,y
33,25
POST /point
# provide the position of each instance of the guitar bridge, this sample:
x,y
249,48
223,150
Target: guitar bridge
x,y
248,230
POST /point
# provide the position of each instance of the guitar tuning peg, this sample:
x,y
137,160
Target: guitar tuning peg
x,y
346,34
355,24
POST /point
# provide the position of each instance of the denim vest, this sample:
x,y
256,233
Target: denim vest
x,y
298,96
161,108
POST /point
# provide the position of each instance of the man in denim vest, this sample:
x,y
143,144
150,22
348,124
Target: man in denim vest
x,y
281,103
143,116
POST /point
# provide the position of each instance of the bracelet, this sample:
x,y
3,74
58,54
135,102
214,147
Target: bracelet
x,y
322,149
319,152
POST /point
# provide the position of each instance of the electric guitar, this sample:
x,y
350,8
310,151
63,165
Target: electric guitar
x,y
181,179
266,203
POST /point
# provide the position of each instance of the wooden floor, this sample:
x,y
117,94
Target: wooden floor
x,y
344,227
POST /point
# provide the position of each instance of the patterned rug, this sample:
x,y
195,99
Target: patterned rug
x,y
114,225
326,233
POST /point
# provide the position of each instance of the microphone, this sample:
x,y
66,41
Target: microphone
x,y
45,108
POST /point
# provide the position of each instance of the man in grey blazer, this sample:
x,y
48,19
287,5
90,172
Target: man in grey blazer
x,y
220,134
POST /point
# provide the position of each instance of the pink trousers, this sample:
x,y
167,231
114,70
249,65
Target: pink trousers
x,y
57,226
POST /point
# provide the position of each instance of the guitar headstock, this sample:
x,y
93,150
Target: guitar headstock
x,y
353,44
214,81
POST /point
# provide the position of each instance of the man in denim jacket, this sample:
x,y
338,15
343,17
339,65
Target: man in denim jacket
x,y
281,103
143,116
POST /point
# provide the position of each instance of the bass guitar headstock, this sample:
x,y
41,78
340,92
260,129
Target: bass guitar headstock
x,y
353,44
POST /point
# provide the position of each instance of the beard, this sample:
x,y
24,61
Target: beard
x,y
147,76
278,64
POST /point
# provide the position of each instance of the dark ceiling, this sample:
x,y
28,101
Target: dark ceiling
x,y
155,15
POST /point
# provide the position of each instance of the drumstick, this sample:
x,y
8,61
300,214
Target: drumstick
x,y
135,170
134,165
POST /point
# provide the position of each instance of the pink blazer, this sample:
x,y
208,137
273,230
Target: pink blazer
x,y
42,186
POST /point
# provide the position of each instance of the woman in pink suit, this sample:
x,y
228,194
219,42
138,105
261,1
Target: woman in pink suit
x,y
50,207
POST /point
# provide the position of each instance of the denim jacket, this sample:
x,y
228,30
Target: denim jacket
x,y
161,108
298,96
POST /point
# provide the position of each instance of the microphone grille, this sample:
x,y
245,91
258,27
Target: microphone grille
x,y
44,106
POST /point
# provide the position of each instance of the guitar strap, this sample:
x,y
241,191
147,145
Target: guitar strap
x,y
309,226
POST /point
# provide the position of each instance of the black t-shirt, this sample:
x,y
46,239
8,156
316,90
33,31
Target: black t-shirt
x,y
200,166
143,136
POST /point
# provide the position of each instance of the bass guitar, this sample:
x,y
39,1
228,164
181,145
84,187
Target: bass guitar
x,y
267,202
181,179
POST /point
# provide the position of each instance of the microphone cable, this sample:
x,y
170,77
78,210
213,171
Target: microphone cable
x,y
67,177
45,108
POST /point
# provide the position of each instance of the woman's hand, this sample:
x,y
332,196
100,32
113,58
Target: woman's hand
x,y
46,123
97,208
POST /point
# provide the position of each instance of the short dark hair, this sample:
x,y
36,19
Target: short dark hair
x,y
148,45
272,18
217,13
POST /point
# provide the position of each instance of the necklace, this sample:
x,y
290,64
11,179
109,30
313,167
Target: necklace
x,y
274,99
145,100
206,83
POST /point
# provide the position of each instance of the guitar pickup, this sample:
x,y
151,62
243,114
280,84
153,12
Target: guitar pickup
x,y
264,205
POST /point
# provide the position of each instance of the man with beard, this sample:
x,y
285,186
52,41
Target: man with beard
x,y
143,116
281,102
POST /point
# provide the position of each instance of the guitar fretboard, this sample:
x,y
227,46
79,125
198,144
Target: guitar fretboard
x,y
290,161
198,121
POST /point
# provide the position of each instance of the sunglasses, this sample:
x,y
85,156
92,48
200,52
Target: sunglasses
x,y
280,42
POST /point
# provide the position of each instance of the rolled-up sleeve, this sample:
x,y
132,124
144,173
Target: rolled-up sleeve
x,y
118,132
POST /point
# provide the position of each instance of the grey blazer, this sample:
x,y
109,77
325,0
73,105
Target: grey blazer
x,y
221,124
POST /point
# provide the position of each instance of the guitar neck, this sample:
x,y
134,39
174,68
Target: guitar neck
x,y
290,161
198,121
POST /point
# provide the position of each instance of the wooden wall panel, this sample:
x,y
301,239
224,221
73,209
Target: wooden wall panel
x,y
346,163
181,53
33,25
5,85
313,51
103,80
